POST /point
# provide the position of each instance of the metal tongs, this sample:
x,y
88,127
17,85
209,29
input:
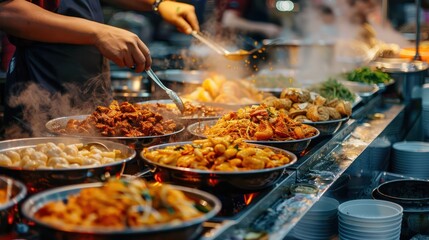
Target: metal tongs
x,y
172,94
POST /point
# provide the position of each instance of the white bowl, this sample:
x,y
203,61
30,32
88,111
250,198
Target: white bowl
x,y
365,224
370,210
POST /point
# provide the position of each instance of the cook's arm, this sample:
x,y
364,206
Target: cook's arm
x,y
181,15
28,21
232,19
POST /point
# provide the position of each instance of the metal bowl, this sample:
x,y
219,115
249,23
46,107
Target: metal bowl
x,y
186,120
136,142
218,180
329,127
7,210
184,230
295,146
405,192
41,179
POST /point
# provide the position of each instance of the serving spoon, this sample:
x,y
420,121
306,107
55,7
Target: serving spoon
x,y
236,55
171,94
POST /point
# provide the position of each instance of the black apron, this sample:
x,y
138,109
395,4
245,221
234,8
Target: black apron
x,y
75,75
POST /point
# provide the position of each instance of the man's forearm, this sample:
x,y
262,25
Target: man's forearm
x,y
26,20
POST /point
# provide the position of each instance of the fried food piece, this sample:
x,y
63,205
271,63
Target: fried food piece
x,y
296,95
317,113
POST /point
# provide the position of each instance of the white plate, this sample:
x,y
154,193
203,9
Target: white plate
x,y
412,146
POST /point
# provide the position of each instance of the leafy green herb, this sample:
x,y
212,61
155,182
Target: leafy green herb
x,y
332,89
368,76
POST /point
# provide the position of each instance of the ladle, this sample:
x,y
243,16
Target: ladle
x,y
237,55
171,94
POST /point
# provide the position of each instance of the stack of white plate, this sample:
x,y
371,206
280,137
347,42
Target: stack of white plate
x,y
411,159
320,222
369,219
425,110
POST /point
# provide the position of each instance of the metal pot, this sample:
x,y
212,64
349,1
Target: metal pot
x,y
8,210
182,80
129,86
37,180
413,196
299,53
409,76
242,181
188,229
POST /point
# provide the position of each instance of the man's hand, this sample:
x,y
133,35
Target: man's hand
x,y
181,15
123,47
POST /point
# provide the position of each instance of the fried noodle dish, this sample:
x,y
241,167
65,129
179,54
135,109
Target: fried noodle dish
x,y
218,154
121,120
262,123
120,204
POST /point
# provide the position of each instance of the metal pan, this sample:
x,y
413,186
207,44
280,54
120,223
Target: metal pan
x,y
250,180
295,146
181,231
56,124
186,120
329,127
405,192
42,179
8,210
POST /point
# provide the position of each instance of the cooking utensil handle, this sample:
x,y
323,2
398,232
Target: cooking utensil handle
x,y
209,43
156,79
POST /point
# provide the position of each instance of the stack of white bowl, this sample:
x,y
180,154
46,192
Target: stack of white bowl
x,y
320,222
411,159
369,219
425,110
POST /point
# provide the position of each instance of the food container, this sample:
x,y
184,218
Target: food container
x,y
188,119
184,230
301,53
295,146
329,127
136,142
8,209
409,76
182,80
41,179
246,180
129,86
413,196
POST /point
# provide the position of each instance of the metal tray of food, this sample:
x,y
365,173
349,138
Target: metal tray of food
x,y
235,180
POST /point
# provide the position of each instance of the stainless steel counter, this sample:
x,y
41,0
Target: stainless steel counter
x,y
347,153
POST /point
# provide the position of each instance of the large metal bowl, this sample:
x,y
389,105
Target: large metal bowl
x,y
7,210
186,120
248,180
329,127
405,192
137,142
295,146
41,179
184,230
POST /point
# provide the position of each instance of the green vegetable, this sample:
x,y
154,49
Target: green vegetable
x,y
332,89
368,76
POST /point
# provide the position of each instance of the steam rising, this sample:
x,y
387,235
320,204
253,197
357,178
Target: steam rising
x,y
39,105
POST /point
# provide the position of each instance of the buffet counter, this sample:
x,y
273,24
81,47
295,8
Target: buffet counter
x,y
320,170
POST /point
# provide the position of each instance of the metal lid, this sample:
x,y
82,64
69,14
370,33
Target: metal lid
x,y
393,65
